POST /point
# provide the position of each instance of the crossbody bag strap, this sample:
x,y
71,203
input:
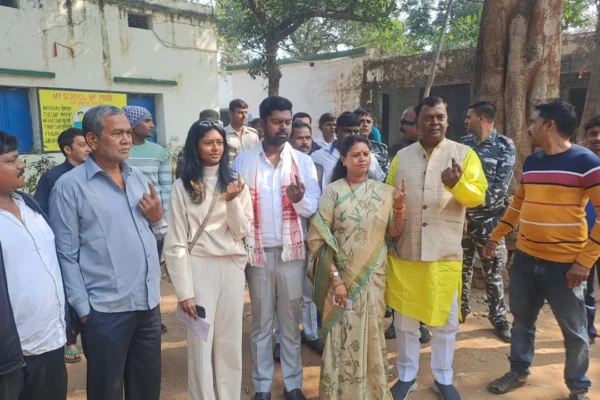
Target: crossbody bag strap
x,y
203,225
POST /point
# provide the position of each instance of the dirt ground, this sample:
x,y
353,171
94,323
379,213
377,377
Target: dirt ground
x,y
479,358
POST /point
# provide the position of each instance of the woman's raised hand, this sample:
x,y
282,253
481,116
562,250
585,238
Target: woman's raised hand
x,y
399,196
235,188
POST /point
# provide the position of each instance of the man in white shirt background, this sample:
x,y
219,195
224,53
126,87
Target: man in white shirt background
x,y
32,300
347,124
285,192
327,128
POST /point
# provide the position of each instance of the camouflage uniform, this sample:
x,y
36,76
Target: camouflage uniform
x,y
380,152
497,155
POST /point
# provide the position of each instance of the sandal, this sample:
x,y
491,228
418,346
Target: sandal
x,y
507,383
72,355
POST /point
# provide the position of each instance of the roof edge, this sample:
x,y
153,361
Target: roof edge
x,y
313,57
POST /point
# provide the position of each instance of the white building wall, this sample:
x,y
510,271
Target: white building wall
x,y
181,46
313,87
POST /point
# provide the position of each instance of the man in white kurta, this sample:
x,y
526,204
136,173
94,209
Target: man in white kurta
x,y
442,178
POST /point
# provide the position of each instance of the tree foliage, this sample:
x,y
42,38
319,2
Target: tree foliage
x,y
392,27
318,36
262,26
576,15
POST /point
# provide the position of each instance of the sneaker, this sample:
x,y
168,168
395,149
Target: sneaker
x,y
503,331
401,390
390,333
508,382
425,335
578,396
447,392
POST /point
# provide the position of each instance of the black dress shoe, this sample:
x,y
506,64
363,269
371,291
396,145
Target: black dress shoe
x,y
295,394
262,396
317,345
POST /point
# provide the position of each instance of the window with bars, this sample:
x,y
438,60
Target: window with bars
x,y
9,3
139,21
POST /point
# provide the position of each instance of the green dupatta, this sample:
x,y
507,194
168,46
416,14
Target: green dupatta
x,y
348,230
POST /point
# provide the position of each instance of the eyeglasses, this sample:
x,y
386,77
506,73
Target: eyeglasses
x,y
408,123
211,123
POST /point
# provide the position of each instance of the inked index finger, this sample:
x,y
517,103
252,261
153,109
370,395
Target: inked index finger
x,y
459,168
403,185
298,181
152,189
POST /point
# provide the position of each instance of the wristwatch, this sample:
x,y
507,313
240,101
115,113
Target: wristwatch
x,y
336,273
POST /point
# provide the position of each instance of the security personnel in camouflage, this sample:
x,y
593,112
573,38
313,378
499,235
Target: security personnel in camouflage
x,y
497,154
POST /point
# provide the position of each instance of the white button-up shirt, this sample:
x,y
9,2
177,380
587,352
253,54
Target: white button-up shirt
x,y
328,156
35,285
270,207
320,140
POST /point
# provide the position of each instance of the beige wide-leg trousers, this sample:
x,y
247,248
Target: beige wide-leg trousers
x,y
218,287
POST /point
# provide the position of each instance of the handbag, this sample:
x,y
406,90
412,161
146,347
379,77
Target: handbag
x,y
205,221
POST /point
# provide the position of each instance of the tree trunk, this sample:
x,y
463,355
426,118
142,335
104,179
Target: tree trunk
x,y
592,99
273,72
440,44
518,63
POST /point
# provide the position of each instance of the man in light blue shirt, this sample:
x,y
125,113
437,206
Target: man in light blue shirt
x,y
107,217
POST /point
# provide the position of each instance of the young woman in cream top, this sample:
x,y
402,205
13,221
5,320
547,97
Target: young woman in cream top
x,y
211,275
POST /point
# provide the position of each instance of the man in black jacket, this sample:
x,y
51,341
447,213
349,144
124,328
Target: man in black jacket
x,y
32,302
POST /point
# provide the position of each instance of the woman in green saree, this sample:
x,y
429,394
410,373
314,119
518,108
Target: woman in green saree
x,y
347,239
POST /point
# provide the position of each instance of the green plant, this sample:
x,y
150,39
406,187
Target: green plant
x,y
173,151
35,169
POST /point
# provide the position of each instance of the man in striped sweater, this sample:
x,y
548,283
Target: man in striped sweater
x,y
150,158
554,253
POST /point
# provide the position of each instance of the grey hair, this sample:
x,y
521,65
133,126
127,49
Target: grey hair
x,y
92,120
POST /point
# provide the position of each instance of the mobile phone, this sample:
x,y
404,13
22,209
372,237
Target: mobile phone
x,y
201,311
347,305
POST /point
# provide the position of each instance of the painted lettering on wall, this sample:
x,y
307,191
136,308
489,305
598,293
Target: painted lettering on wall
x,y
62,109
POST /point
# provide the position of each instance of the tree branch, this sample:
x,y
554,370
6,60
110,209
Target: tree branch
x,y
346,16
258,11
284,32
350,16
